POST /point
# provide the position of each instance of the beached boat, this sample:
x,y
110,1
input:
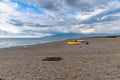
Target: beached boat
x,y
75,42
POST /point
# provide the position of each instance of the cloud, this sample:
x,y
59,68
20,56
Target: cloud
x,y
22,36
16,22
10,28
7,9
84,4
47,4
41,18
12,21
88,15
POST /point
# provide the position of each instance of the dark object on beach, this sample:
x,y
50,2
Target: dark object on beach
x,y
52,59
75,40
111,36
80,47
0,79
87,43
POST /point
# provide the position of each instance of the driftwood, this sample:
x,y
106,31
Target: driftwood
x,y
52,59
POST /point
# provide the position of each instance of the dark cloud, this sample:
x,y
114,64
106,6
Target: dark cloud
x,y
56,5
107,16
47,4
37,25
20,23
77,4
96,20
16,22
86,5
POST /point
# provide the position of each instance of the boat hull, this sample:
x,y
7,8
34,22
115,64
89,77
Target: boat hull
x,y
74,43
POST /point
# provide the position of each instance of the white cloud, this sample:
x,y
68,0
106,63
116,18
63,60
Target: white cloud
x,y
84,29
7,7
42,34
105,27
113,4
19,36
87,31
87,15
7,11
10,28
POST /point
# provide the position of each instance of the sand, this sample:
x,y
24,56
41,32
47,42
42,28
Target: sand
x,y
100,60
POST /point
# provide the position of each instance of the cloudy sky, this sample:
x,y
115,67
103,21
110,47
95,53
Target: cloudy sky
x,y
39,18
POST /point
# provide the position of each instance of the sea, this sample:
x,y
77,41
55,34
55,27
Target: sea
x,y
13,42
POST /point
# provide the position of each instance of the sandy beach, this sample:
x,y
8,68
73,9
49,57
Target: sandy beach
x,y
100,60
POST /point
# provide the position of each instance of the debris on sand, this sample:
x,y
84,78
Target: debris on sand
x,y
52,59
111,36
87,43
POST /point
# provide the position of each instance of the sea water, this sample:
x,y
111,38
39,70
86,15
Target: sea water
x,y
13,42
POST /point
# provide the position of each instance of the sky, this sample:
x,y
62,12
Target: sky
x,y
40,18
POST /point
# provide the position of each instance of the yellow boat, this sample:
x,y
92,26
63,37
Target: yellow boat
x,y
74,43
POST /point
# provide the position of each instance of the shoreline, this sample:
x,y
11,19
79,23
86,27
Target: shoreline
x,y
59,40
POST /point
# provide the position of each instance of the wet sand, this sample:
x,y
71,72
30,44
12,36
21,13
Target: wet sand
x,y
100,60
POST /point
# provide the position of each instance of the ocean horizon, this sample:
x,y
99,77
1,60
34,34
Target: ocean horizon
x,y
14,42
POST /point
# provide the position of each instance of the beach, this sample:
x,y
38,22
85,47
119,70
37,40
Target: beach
x,y
99,60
